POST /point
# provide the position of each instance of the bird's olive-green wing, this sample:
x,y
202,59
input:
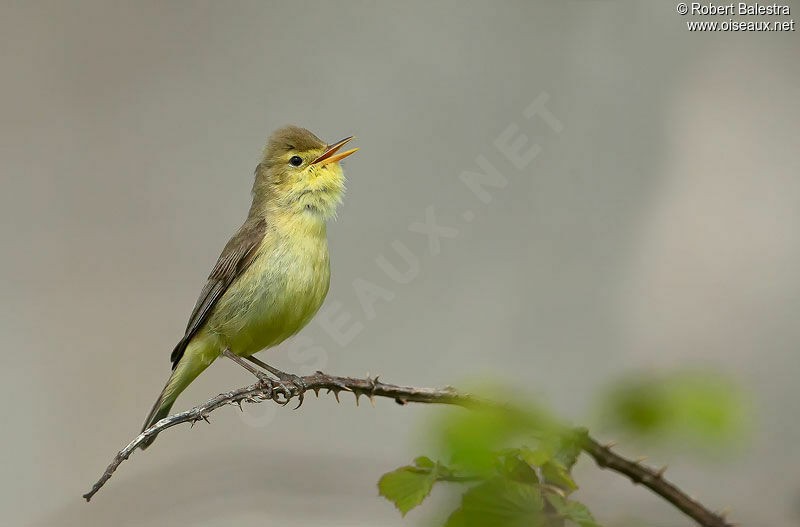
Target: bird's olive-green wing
x,y
237,255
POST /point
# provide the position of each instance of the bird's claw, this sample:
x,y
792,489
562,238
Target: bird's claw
x,y
300,388
281,388
266,382
289,386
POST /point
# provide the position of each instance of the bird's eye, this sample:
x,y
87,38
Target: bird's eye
x,y
296,161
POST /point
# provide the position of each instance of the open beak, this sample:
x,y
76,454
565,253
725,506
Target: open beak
x,y
330,155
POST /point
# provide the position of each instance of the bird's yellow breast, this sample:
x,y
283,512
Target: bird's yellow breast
x,y
280,291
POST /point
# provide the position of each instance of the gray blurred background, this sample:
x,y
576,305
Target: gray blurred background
x,y
655,228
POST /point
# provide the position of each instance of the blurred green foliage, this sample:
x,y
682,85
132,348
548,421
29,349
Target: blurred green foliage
x,y
472,439
696,407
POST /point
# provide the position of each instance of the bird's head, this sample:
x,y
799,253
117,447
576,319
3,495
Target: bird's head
x,y
300,173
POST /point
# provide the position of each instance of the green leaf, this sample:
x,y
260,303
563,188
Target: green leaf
x,y
457,519
556,473
518,470
424,462
536,457
407,486
572,510
474,438
569,446
500,502
700,406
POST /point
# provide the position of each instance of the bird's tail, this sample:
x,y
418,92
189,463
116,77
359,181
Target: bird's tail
x,y
190,366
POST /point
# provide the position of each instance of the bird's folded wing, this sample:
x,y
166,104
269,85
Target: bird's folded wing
x,y
237,255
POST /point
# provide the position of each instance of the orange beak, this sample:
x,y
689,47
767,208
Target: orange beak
x,y
330,155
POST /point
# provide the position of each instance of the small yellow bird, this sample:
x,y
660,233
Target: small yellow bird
x,y
273,274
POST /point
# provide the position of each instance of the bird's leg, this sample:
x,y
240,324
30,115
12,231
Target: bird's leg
x,y
300,386
263,379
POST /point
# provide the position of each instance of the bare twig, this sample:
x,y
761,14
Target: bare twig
x,y
653,480
371,387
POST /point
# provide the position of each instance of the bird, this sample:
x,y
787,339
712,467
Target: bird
x,y
273,275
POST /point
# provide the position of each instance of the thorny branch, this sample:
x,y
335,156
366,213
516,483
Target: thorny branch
x,y
637,472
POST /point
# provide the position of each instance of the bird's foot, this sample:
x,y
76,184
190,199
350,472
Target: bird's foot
x,y
275,388
291,385
288,384
266,382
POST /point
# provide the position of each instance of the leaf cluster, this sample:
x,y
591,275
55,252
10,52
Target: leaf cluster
x,y
515,466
